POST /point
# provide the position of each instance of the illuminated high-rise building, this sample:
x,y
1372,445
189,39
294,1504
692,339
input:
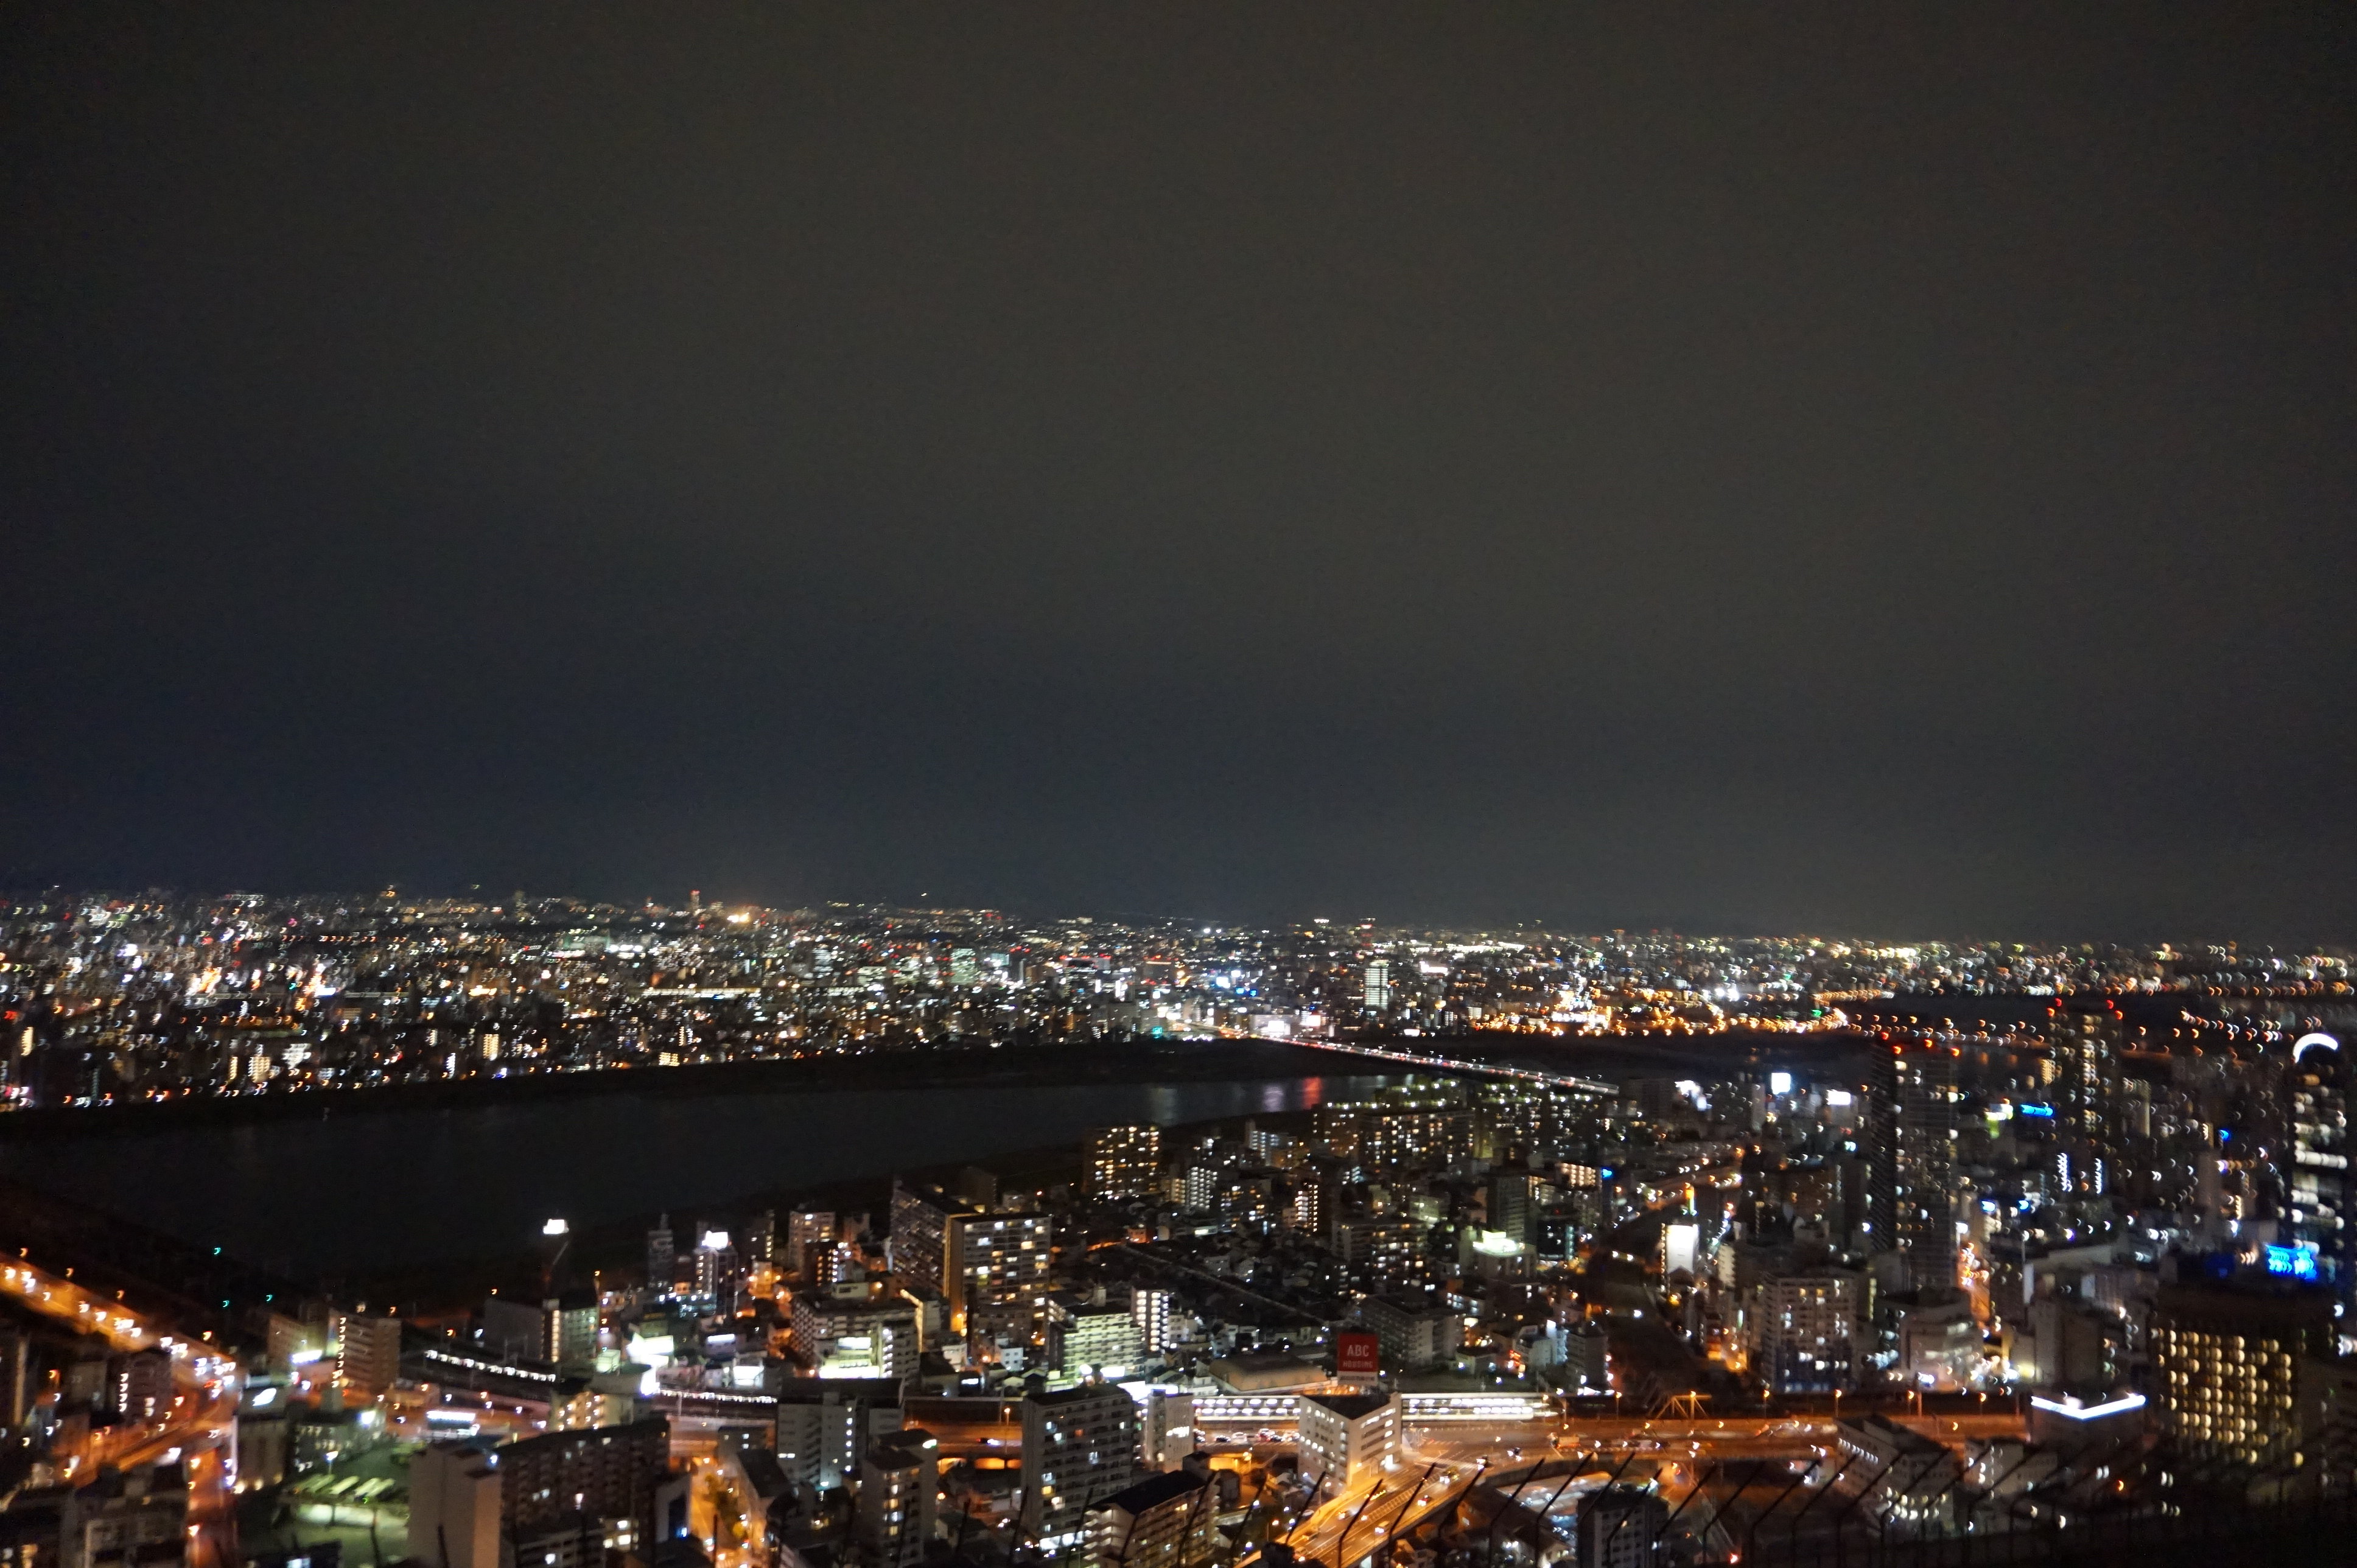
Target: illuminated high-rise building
x,y
2226,1361
1513,1200
1150,1310
717,1275
997,1268
1310,1208
825,1425
1804,1329
1124,1162
1430,1140
1912,1126
1348,1437
1378,985
1337,1128
2320,1232
1079,1448
1161,1522
2085,1043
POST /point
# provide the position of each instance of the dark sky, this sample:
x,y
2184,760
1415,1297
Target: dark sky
x,y
1854,470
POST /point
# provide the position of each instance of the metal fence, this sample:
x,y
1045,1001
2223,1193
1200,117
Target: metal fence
x,y
2160,1525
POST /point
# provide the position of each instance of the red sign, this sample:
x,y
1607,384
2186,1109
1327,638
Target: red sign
x,y
1356,1356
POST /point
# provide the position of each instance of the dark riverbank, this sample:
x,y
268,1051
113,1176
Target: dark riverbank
x,y
1611,1057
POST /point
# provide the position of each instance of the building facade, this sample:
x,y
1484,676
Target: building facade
x,y
1345,1438
899,1484
1124,1162
1912,1116
2226,1367
1079,1448
1170,1520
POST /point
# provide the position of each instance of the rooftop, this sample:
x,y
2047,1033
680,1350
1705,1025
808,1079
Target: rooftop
x,y
1153,1492
1350,1407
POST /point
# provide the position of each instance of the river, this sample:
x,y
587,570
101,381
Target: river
x,y
382,1189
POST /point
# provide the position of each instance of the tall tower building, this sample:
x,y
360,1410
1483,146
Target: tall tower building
x,y
2317,1210
663,1256
368,1352
1378,991
1311,1206
2085,1042
1912,1128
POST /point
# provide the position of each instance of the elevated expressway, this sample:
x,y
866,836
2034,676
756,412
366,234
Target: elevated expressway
x,y
199,1429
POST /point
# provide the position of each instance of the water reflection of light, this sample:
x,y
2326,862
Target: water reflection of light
x,y
1272,1095
1313,1090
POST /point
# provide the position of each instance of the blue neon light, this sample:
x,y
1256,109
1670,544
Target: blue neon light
x,y
2297,1262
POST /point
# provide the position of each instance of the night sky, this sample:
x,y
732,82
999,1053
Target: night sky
x,y
1754,468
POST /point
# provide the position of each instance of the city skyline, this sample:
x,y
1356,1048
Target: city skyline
x,y
103,900
112,1000
1201,786
2049,1290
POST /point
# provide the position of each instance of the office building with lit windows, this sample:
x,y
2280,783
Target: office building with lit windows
x,y
1103,1341
2226,1367
1124,1162
1346,1438
719,1278
1804,1329
826,1424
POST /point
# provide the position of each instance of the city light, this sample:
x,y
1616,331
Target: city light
x,y
1945,1206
